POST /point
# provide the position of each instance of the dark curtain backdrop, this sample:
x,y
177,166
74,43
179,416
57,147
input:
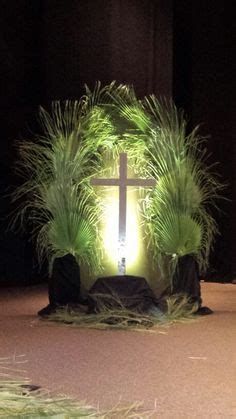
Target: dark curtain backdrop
x,y
204,86
82,41
50,48
213,93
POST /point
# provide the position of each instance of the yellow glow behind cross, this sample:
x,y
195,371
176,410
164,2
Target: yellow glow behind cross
x,y
111,229
124,245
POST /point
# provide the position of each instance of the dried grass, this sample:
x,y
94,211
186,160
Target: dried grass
x,y
178,309
17,400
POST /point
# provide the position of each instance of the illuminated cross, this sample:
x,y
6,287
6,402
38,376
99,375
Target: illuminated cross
x,y
122,182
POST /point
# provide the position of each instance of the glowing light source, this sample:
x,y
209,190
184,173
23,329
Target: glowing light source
x,y
117,250
124,243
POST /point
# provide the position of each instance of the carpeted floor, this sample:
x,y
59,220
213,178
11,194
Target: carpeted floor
x,y
186,371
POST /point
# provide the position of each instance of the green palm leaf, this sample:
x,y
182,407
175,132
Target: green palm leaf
x,y
57,198
176,214
78,136
178,234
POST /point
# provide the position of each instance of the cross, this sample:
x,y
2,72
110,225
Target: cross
x,y
122,182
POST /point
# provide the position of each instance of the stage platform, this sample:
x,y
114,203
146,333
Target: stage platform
x,y
186,371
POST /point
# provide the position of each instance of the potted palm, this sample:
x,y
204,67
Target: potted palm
x,y
57,198
178,222
65,212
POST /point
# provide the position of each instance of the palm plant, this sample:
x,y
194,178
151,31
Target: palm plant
x,y
176,212
65,211
57,198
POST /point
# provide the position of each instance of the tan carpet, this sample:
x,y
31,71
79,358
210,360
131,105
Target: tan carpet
x,y
187,372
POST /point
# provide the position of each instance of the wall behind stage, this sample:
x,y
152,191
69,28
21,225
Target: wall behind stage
x,y
49,49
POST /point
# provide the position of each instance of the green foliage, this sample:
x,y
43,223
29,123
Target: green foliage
x,y
72,227
57,199
78,136
176,212
176,234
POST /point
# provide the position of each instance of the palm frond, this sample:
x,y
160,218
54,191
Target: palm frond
x,y
180,307
57,198
79,136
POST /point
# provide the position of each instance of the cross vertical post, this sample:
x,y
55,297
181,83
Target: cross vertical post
x,y
122,214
